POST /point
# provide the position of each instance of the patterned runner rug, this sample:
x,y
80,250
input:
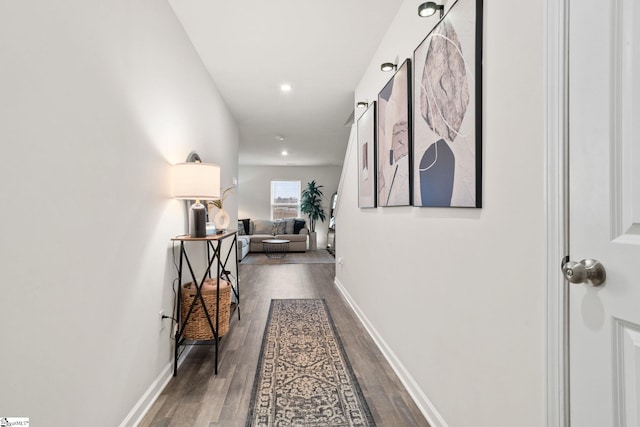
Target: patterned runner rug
x,y
304,377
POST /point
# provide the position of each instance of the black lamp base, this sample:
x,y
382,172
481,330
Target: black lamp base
x,y
197,220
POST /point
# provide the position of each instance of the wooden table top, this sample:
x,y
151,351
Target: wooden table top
x,y
220,236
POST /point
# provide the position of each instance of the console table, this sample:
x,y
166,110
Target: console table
x,y
217,261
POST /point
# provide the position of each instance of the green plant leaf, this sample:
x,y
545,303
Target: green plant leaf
x,y
311,204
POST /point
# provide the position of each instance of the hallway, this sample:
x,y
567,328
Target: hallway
x,y
197,398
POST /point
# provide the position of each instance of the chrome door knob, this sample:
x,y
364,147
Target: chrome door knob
x,y
589,271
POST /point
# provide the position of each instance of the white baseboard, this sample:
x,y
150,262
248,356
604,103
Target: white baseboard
x,y
422,401
149,397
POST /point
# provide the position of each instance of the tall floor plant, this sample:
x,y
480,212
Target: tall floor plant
x,y
311,204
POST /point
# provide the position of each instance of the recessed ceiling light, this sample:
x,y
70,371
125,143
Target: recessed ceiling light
x,y
279,138
285,87
284,153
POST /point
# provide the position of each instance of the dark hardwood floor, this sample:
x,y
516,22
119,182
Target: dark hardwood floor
x,y
198,398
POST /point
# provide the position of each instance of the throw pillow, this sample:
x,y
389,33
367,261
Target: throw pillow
x,y
280,225
241,229
288,229
263,226
298,225
247,225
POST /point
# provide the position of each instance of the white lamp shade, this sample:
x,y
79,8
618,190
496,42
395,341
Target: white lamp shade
x,y
196,181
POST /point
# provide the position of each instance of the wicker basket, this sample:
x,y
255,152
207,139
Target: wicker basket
x,y
197,327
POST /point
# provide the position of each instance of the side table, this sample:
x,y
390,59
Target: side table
x,y
276,248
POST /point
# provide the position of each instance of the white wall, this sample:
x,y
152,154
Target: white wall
x,y
254,190
457,295
98,100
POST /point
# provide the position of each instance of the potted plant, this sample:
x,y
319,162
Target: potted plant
x,y
311,204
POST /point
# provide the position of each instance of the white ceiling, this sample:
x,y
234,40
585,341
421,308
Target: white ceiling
x,y
321,48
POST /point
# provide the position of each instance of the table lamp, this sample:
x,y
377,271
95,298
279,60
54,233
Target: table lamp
x,y
196,181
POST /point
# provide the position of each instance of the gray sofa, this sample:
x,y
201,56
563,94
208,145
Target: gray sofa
x,y
294,230
243,246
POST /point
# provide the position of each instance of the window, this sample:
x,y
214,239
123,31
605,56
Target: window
x,y
285,199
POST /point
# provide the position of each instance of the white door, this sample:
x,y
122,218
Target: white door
x,y
604,123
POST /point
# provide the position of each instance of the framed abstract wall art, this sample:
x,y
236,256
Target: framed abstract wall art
x,y
393,142
366,158
447,114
